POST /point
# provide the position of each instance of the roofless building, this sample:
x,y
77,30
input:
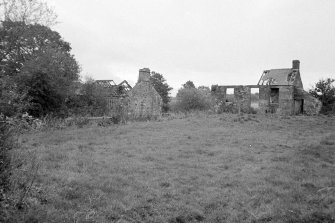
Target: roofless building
x,y
279,91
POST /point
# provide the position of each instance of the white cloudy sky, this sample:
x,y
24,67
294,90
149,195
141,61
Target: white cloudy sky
x,y
206,41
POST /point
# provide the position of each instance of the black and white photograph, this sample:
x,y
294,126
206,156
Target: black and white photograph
x,y
167,111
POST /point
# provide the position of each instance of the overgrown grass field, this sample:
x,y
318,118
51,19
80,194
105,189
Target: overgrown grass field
x,y
197,168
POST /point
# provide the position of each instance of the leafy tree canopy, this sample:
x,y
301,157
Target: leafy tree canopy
x,y
21,42
161,86
189,99
324,90
189,84
38,65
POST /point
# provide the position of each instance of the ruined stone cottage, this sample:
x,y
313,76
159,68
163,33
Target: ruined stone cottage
x,y
140,102
116,96
280,91
144,100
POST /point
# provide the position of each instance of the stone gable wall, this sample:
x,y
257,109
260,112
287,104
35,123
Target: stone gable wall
x,y
286,100
144,102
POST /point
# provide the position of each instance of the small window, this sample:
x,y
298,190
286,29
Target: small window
x,y
230,95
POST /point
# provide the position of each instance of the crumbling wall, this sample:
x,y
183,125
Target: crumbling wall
x,y
144,100
280,91
242,99
219,94
286,100
284,103
280,99
119,108
312,106
242,96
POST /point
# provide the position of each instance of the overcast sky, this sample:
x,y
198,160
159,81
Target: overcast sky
x,y
207,41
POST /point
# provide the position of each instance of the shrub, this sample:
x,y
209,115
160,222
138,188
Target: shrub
x,y
81,121
227,108
6,144
190,99
18,172
105,122
91,102
324,90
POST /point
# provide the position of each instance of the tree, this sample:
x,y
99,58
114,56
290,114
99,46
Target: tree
x,y
27,11
189,84
204,89
189,99
21,42
41,96
46,82
89,100
163,89
32,56
324,90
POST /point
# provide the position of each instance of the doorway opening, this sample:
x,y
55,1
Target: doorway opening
x,y
274,96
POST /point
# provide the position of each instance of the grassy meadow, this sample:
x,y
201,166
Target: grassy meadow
x,y
195,168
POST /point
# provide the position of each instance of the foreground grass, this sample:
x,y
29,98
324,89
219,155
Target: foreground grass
x,y
194,169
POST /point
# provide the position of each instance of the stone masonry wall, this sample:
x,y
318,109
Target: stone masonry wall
x,y
312,106
286,100
284,104
144,100
242,96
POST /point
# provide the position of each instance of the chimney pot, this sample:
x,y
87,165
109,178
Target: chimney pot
x,y
144,75
296,64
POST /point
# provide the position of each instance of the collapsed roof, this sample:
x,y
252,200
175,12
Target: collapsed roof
x,y
112,89
286,76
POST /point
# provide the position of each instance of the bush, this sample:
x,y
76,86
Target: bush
x,y
18,172
190,99
227,108
105,122
324,90
6,144
80,122
90,102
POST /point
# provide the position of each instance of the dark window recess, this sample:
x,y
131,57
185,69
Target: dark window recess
x,y
274,95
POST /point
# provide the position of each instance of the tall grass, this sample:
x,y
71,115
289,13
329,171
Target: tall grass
x,y
186,167
18,173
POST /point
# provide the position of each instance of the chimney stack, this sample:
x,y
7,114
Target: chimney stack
x,y
144,75
296,64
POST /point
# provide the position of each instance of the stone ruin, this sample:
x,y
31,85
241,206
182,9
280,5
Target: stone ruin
x,y
280,91
142,102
